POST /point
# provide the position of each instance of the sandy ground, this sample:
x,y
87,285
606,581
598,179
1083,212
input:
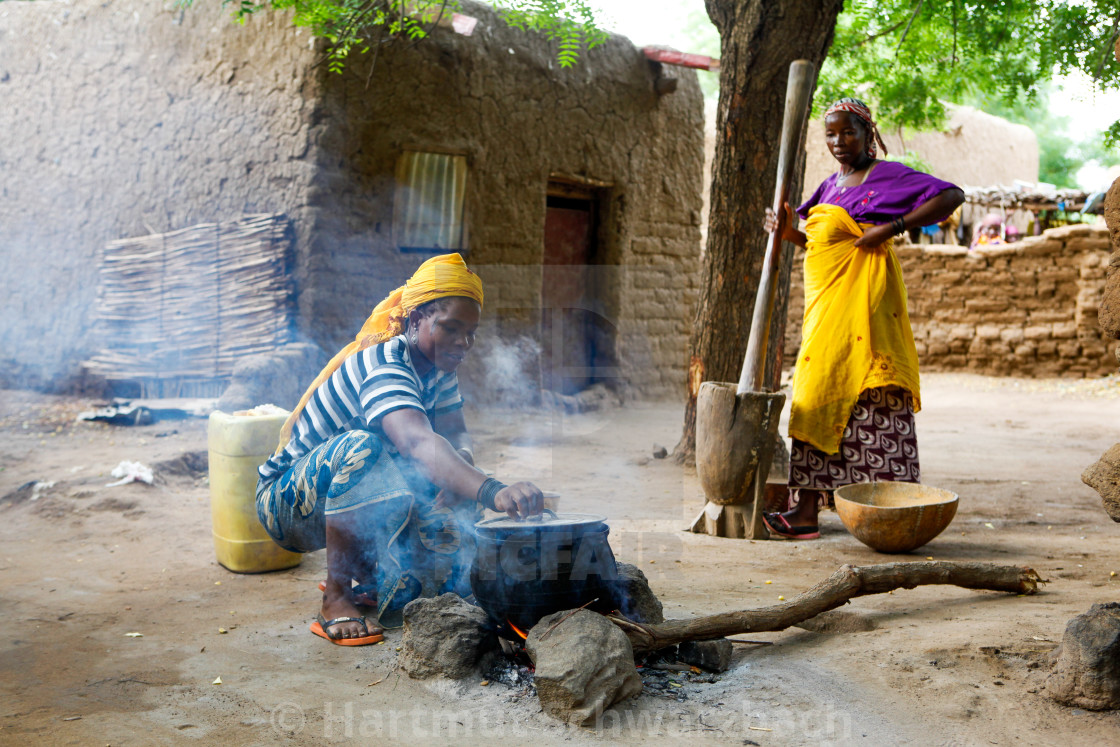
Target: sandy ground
x,y
84,565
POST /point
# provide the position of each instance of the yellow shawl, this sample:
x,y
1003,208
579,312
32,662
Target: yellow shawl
x,y
856,334
439,277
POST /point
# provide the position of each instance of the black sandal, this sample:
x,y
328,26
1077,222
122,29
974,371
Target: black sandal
x,y
778,525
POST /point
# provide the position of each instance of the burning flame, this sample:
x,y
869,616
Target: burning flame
x,y
517,630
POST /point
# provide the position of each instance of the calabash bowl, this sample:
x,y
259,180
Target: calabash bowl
x,y
895,517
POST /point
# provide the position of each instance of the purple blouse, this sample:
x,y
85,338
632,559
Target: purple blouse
x,y
890,191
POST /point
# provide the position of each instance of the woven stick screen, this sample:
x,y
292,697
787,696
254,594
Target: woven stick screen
x,y
177,310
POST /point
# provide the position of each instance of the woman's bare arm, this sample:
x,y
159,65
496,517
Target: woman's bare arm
x,y
932,210
412,434
453,427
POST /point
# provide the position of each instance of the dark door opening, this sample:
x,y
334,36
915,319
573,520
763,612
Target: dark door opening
x,y
577,340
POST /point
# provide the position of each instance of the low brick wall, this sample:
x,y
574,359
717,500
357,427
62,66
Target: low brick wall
x,y
1025,309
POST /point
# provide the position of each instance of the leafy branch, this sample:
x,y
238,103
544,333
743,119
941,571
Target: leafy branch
x,y
885,32
359,26
906,32
1108,46
553,19
908,57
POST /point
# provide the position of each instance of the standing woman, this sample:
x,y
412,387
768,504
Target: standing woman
x,y
855,386
375,463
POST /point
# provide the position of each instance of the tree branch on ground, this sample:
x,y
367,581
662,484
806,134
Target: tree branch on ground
x,y
845,584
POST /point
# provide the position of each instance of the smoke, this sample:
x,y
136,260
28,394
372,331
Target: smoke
x,y
143,141
44,308
505,372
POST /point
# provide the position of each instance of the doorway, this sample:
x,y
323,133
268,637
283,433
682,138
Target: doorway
x,y
577,339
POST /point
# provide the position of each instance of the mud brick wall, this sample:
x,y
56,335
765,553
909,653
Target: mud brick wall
x,y
124,118
1025,309
521,121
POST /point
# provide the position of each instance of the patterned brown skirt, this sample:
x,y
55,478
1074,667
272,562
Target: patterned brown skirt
x,y
879,444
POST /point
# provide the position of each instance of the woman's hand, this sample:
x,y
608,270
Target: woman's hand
x,y
790,232
771,221
875,236
931,211
520,500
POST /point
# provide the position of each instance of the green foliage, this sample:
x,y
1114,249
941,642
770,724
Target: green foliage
x,y
570,23
906,57
360,26
1112,135
913,160
1105,150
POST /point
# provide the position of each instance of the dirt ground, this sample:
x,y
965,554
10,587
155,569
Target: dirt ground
x,y
84,567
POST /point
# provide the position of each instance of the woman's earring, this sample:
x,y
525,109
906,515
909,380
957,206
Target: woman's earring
x,y
415,337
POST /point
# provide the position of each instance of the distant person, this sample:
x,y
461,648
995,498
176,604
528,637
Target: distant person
x,y
1011,234
988,233
949,226
855,386
378,468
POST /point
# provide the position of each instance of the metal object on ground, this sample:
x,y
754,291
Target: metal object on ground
x,y
895,516
524,570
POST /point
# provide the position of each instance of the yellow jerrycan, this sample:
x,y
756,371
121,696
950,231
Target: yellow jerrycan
x,y
238,445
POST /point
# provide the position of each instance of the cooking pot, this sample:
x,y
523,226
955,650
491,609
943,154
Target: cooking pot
x,y
527,569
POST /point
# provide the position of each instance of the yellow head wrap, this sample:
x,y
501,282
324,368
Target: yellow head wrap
x,y
440,277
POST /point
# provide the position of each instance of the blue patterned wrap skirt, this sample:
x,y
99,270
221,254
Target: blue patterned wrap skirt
x,y
418,550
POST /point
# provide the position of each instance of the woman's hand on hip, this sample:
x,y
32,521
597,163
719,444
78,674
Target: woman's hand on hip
x,y
875,236
520,500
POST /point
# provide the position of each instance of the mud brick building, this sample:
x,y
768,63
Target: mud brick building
x,y
575,193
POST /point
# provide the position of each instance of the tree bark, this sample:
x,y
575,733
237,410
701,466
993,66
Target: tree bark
x,y
759,40
846,583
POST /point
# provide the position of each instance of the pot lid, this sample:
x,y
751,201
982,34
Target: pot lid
x,y
547,520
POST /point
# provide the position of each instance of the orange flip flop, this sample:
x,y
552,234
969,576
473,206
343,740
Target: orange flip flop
x,y
321,626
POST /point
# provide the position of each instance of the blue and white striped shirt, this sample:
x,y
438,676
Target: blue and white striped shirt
x,y
366,387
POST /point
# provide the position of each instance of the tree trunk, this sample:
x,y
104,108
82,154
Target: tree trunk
x,y
759,41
